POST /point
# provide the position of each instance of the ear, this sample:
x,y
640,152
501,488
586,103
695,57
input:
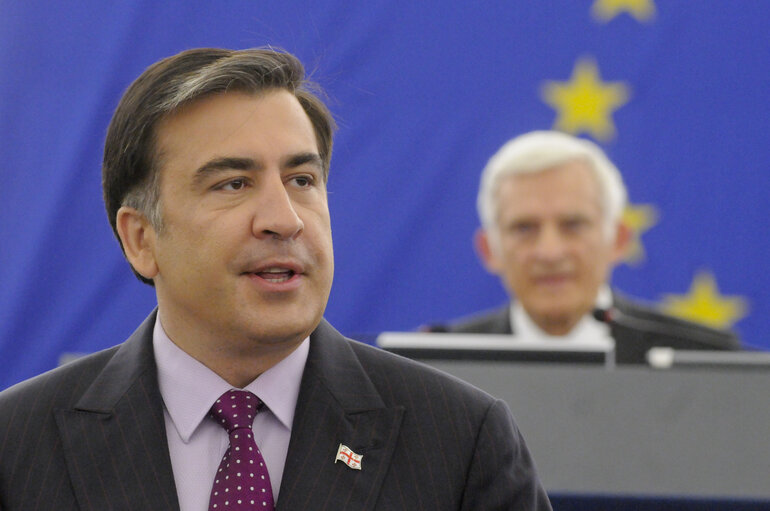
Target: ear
x,y
138,239
623,239
485,251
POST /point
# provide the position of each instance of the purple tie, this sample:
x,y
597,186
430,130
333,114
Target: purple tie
x,y
241,482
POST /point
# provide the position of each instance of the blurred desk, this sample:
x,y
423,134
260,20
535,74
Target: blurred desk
x,y
697,432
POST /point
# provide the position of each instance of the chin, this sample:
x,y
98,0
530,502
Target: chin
x,y
556,314
270,331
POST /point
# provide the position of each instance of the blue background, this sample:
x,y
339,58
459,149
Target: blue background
x,y
424,93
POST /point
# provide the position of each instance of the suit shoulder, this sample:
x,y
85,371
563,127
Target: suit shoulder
x,y
397,374
58,387
490,321
677,327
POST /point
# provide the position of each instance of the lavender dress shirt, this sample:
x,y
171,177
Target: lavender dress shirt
x,y
196,444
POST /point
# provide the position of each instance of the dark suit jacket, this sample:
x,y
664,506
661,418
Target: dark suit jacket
x,y
637,330
91,436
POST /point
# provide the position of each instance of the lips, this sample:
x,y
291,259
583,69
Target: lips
x,y
552,279
276,274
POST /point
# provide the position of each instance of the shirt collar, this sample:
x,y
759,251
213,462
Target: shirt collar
x,y
585,330
189,388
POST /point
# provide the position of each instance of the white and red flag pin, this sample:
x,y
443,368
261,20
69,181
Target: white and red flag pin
x,y
348,457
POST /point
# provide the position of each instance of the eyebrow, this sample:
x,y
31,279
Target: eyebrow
x,y
297,160
221,164
238,163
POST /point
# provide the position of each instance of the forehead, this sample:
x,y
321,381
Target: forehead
x,y
564,189
235,123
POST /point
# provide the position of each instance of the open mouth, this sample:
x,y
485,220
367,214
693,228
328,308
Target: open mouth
x,y
276,275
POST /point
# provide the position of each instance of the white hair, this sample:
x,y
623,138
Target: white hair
x,y
539,151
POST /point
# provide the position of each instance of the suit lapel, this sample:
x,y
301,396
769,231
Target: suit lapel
x,y
114,439
337,404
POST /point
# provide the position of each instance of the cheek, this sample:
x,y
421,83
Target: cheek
x,y
327,251
194,243
177,256
318,228
516,260
515,268
596,262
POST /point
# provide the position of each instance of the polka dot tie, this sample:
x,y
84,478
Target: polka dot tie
x,y
241,482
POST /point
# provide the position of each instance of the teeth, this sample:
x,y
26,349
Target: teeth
x,y
276,274
277,279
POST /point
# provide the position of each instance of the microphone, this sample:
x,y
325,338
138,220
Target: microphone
x,y
604,315
615,319
671,329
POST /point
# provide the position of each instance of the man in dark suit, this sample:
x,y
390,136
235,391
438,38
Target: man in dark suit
x,y
214,180
550,207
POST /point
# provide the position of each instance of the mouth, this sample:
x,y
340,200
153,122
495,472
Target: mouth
x,y
276,274
552,280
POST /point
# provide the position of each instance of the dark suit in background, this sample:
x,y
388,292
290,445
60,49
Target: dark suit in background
x,y
91,436
642,328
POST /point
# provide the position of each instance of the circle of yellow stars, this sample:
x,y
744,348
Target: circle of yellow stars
x,y
585,104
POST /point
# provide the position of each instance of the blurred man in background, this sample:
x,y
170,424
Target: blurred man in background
x,y
550,207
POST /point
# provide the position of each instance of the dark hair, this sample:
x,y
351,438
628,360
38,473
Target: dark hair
x,y
130,169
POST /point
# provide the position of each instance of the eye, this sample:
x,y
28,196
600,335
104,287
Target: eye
x,y
233,184
574,224
522,228
303,181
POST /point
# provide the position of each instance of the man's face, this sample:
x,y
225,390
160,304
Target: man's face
x,y
550,248
245,254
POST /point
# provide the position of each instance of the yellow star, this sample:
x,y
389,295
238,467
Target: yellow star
x,y
585,103
605,10
639,218
704,304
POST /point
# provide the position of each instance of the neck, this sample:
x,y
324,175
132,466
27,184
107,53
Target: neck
x,y
237,360
556,325
241,370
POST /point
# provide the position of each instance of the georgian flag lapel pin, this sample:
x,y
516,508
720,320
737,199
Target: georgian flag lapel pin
x,y
348,457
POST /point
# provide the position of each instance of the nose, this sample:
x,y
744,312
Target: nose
x,y
275,215
550,245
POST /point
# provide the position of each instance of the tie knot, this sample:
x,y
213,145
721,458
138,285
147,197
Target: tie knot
x,y
235,409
